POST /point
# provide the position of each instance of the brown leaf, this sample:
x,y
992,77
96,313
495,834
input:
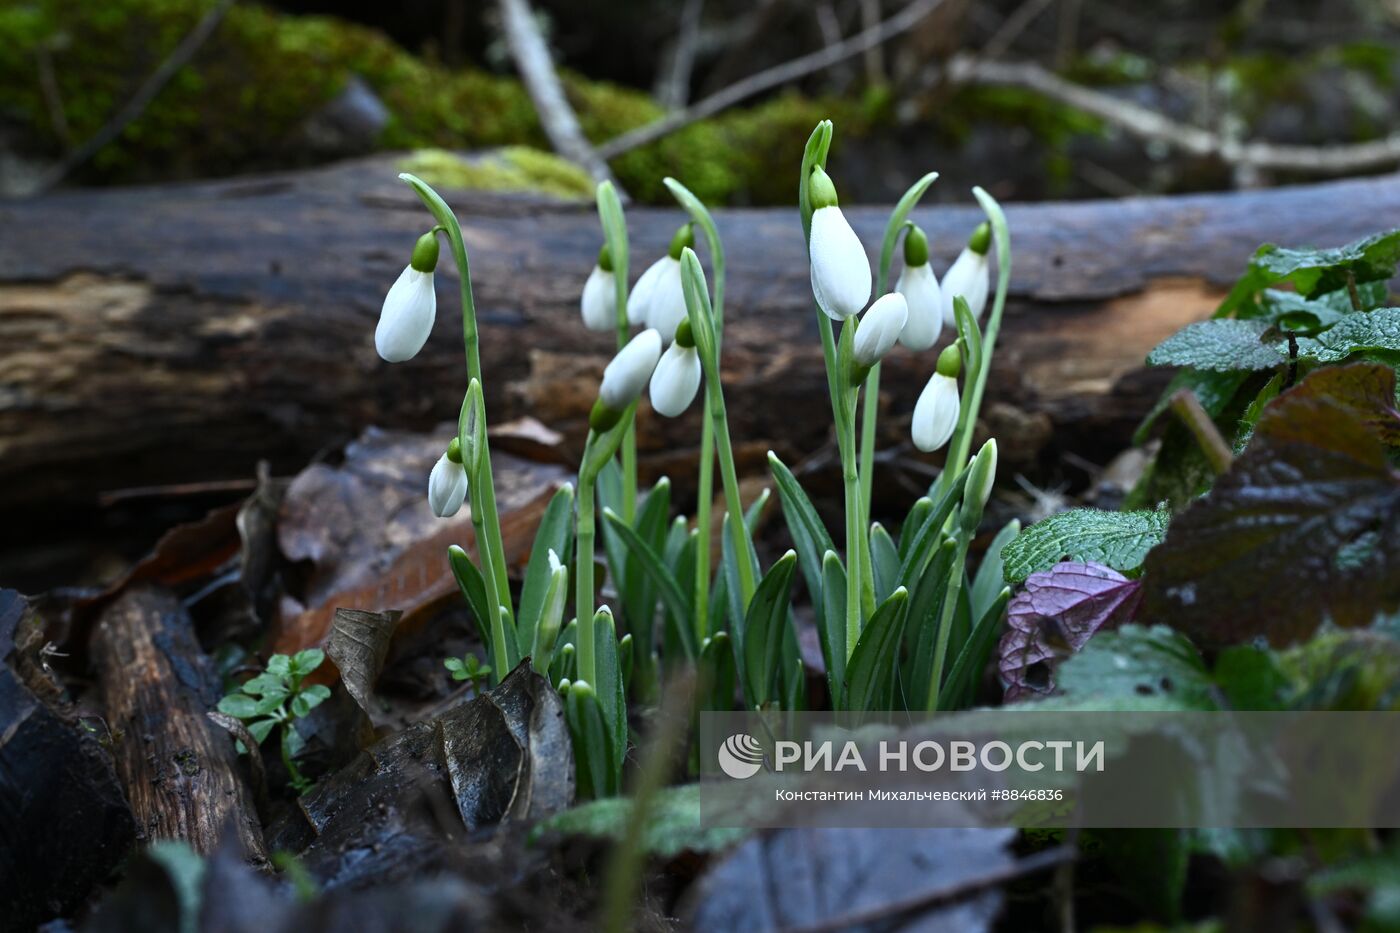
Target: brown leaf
x,y
358,645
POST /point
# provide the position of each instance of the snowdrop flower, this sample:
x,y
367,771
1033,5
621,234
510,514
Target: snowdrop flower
x,y
411,305
677,376
936,412
599,302
919,286
627,375
840,269
447,484
980,476
969,276
879,329
658,300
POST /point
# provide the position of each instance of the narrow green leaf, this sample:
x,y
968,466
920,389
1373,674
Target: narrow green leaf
x,y
922,544
678,605
473,588
612,691
639,595
589,730
703,219
870,677
555,533
990,577
925,611
832,627
918,514
764,625
813,154
718,673
809,535
884,558
609,492
898,216
961,683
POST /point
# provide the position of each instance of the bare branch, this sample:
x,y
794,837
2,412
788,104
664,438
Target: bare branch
x,y
133,108
1012,27
1152,126
673,87
777,76
536,68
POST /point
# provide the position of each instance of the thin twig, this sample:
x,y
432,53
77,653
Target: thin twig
x,y
1187,407
1152,126
1010,30
673,87
536,67
1040,861
777,76
133,108
255,759
53,100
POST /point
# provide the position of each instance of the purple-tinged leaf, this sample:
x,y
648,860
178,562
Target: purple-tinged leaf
x,y
1059,610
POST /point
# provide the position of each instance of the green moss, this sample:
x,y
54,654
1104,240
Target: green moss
x,y
242,100
514,168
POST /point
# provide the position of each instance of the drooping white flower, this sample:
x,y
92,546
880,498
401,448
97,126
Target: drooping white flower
x,y
447,487
410,308
658,300
969,276
879,329
919,286
676,379
599,301
627,375
936,412
841,280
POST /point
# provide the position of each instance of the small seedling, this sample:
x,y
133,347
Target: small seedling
x,y
468,668
277,697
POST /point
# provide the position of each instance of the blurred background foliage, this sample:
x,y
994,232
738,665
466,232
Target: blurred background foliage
x,y
289,84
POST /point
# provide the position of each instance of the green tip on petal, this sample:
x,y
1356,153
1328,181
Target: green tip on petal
x,y
454,451
981,239
685,337
425,252
950,361
602,418
915,246
605,259
685,237
821,191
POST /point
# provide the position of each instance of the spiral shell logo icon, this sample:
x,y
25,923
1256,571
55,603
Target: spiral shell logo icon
x,y
740,756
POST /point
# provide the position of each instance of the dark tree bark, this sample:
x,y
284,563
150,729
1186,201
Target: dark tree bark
x,y
180,770
180,333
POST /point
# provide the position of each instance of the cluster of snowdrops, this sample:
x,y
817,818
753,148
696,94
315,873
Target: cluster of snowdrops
x,y
894,631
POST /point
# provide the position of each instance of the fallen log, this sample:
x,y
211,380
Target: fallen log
x,y
181,332
179,769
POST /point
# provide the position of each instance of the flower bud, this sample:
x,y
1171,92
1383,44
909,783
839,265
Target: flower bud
x,y
978,487
447,487
879,329
919,286
841,280
936,412
599,300
410,308
676,379
628,373
969,276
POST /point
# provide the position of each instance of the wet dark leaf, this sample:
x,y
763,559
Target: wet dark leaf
x,y
1301,529
798,878
1373,331
358,645
1055,615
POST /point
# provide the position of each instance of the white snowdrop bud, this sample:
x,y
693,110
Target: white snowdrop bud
x,y
676,379
879,329
919,286
841,279
936,412
969,276
599,301
628,373
447,485
977,489
658,299
409,309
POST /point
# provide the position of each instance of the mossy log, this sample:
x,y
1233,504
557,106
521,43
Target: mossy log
x,y
181,333
180,769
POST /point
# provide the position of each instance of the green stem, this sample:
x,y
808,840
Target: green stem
x,y
945,622
730,479
704,497
855,561
298,782
501,662
870,413
583,571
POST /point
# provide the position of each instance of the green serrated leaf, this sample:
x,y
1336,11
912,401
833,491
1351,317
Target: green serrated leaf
x,y
1136,662
1357,333
1222,345
1316,271
1115,539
